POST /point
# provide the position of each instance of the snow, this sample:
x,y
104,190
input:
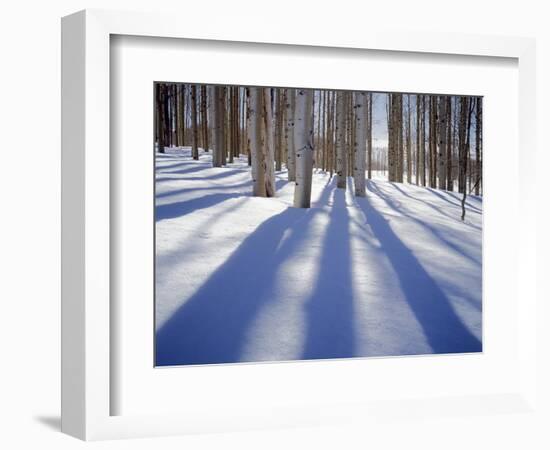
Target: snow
x,y
241,279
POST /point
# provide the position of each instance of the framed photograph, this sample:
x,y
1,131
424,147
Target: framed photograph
x,y
265,231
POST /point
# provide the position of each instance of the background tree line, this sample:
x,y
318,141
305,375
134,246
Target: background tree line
x,y
432,140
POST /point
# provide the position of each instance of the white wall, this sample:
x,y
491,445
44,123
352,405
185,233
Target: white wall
x,y
29,225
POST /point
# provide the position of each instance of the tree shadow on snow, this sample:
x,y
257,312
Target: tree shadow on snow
x,y
329,310
372,187
178,209
445,197
456,217
444,330
211,327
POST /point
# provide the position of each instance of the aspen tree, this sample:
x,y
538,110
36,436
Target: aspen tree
x,y
442,144
360,142
449,157
225,127
269,144
391,106
341,163
204,118
303,139
423,142
160,118
291,151
278,128
219,109
369,136
255,141
409,151
195,147
399,130
479,122
173,115
418,135
176,138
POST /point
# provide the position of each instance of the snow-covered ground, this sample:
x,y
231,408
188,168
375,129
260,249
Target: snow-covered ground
x,y
240,278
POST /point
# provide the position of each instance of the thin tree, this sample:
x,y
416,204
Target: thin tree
x,y
408,143
291,151
369,135
341,162
255,141
449,157
442,144
361,111
418,137
466,110
204,118
269,144
195,147
303,139
160,117
219,108
479,137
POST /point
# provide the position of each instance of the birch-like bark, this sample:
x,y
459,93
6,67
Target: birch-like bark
x,y
442,144
417,159
303,139
369,137
341,162
255,141
161,118
479,127
290,146
219,112
195,147
449,163
360,142
269,144
204,118
409,143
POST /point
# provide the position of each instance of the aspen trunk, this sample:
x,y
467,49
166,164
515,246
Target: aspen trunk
x,y
255,141
399,130
360,148
195,148
369,137
479,172
217,154
341,162
442,144
278,128
423,143
303,139
204,118
225,128
291,151
409,151
449,157
269,144
417,160
161,118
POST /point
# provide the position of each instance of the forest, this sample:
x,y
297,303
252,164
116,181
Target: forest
x,y
300,224
430,140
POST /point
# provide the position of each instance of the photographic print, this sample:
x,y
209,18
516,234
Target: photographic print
x,y
311,224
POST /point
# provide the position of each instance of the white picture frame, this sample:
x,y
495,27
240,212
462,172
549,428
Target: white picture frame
x,y
86,247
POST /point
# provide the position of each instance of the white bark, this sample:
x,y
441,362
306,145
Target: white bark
x,y
303,139
219,110
290,146
269,144
360,142
341,161
442,153
255,139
